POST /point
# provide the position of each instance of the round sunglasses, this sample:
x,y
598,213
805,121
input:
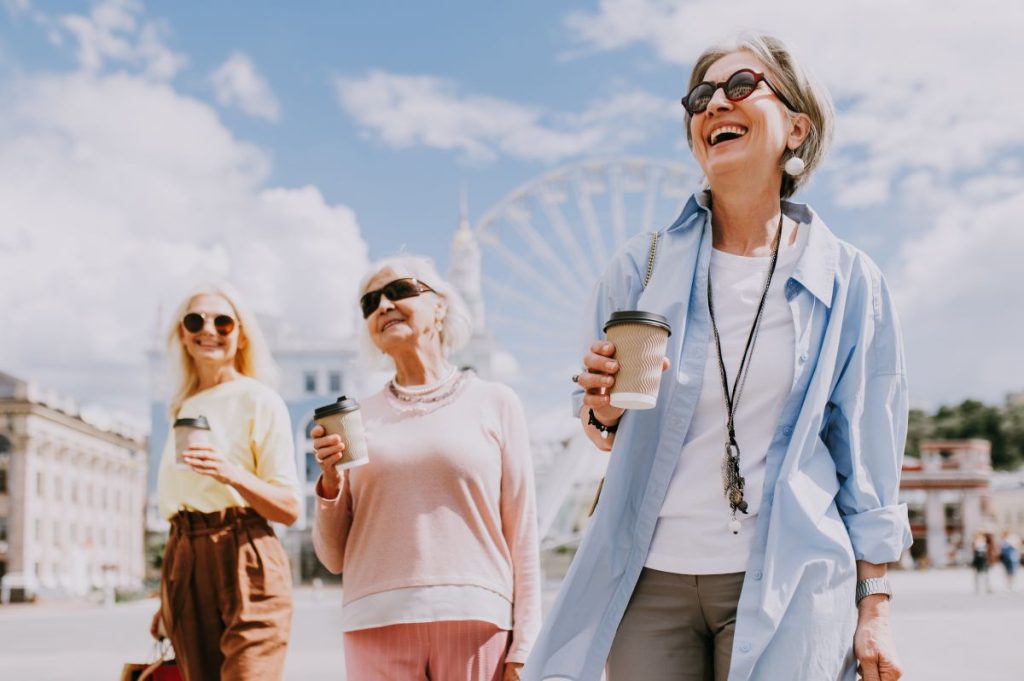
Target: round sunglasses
x,y
407,287
195,321
737,87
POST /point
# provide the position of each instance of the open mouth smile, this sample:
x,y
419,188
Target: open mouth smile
x,y
725,133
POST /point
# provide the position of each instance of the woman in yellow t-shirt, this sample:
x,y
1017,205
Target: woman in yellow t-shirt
x,y
226,601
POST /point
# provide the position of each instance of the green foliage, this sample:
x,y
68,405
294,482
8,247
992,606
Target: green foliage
x,y
1003,426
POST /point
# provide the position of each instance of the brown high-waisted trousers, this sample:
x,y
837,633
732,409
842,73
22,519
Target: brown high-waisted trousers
x,y
226,596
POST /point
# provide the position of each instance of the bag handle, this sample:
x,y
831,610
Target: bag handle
x,y
161,648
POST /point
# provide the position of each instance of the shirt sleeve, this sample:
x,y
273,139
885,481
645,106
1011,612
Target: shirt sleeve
x,y
331,525
519,525
273,444
619,284
866,425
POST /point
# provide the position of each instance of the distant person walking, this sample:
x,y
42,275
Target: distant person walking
x,y
225,586
980,563
1009,556
437,534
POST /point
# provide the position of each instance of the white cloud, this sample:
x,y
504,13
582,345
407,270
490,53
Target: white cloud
x,y
238,83
113,32
922,84
116,194
404,111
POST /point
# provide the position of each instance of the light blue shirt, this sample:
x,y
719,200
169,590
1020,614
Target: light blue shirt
x,y
832,471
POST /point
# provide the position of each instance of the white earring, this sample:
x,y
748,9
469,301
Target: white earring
x,y
794,166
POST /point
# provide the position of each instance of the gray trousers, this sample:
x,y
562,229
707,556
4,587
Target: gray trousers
x,y
676,628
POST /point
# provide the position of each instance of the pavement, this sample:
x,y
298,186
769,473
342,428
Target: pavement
x,y
943,632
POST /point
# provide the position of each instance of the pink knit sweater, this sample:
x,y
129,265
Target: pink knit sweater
x,y
447,499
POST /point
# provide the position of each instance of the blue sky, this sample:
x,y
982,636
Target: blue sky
x,y
286,146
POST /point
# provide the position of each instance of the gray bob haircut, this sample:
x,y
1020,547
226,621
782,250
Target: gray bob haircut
x,y
457,326
795,82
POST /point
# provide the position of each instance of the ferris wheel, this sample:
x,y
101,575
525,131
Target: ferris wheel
x,y
543,247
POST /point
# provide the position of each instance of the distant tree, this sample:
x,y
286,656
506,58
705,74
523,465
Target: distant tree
x,y
920,427
972,418
1013,429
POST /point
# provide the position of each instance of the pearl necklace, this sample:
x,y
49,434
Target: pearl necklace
x,y
414,391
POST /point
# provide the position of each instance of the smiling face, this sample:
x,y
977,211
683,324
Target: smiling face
x,y
206,346
396,324
747,137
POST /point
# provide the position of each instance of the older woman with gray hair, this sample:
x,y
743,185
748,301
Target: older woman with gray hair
x,y
437,534
746,521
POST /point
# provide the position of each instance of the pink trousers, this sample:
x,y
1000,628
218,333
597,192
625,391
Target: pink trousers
x,y
436,651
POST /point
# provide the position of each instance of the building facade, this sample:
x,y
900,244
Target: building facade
x,y
72,495
948,495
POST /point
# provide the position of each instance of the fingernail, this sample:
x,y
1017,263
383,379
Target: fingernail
x,y
607,347
609,365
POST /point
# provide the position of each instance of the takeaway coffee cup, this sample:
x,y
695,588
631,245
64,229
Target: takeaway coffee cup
x,y
343,418
188,432
640,339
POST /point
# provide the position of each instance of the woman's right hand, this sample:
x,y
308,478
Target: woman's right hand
x,y
599,377
597,380
328,450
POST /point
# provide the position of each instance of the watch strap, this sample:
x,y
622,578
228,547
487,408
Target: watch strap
x,y
872,586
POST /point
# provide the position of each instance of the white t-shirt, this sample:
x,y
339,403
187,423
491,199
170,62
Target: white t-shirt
x,y
692,535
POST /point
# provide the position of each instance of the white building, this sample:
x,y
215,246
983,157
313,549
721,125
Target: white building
x,y
72,490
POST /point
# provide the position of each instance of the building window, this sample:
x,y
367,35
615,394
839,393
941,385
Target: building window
x,y
40,488
88,496
103,499
334,381
3,529
74,492
5,444
38,529
58,488
56,533
309,381
3,481
73,533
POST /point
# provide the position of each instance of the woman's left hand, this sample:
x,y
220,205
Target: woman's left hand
x,y
512,671
873,643
206,460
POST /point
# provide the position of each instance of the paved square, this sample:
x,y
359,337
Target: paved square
x,y
944,632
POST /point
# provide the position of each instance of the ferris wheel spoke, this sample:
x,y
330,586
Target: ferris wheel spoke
x,y
590,222
525,269
542,249
585,268
554,310
618,205
650,197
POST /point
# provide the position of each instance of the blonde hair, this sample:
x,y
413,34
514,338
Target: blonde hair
x,y
796,83
457,325
251,359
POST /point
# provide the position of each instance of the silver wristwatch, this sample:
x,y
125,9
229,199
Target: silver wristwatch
x,y
870,587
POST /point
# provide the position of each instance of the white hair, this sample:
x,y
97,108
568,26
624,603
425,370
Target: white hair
x,y
456,327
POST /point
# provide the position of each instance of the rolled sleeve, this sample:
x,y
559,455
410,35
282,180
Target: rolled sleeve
x,y
867,426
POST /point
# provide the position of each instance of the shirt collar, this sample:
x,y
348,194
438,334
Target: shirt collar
x,y
816,268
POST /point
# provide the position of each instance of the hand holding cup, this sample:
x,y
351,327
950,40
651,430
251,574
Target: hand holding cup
x,y
598,379
328,450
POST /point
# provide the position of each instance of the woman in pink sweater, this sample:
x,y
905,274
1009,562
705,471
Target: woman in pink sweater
x,y
437,534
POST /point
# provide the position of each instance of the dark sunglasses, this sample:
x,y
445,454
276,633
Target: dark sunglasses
x,y
739,86
398,289
195,321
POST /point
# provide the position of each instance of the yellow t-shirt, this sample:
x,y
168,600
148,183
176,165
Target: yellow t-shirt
x,y
249,425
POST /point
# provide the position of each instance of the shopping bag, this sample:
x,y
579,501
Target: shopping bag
x,y
160,669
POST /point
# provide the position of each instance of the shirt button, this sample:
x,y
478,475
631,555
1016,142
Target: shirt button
x,y
758,575
803,358
787,430
683,378
744,647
